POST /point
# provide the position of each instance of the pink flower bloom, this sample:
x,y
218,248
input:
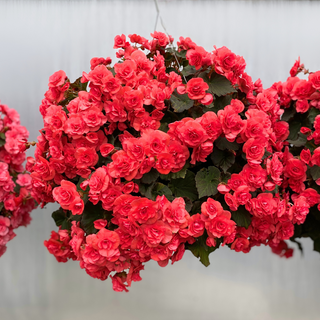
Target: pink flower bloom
x,y
4,226
57,79
156,233
196,88
231,122
66,195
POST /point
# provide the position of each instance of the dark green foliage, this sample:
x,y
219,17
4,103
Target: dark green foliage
x,y
90,214
181,102
207,181
185,187
218,84
59,216
200,250
223,159
241,217
224,144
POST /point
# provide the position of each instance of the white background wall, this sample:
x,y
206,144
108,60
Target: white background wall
x,y
38,38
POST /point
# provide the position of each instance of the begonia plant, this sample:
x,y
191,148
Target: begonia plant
x,y
16,202
175,148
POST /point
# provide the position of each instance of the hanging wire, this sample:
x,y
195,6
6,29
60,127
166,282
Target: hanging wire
x,y
158,13
165,30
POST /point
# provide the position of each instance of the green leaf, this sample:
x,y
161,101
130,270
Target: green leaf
x,y
78,85
66,225
90,214
2,135
1,206
180,54
170,69
59,217
207,181
160,189
181,102
188,70
17,188
315,172
313,112
225,177
188,203
294,128
297,231
314,210
200,250
164,127
196,112
221,102
148,192
75,217
311,227
300,141
218,84
169,117
298,244
185,187
266,154
316,245
84,192
180,174
309,145
150,177
241,217
142,187
166,177
223,159
288,114
223,144
196,208
2,142
209,107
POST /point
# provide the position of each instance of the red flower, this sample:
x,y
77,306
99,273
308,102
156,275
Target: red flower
x,y
211,209
191,133
108,243
123,166
57,79
196,226
263,205
156,233
165,162
143,211
99,180
196,88
295,169
231,122
254,149
86,157
66,195
44,169
221,226
211,124
241,245
314,78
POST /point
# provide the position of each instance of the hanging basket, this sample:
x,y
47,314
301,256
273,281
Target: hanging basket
x,y
16,202
172,149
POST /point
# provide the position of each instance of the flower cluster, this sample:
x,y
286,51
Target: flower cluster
x,y
174,149
15,184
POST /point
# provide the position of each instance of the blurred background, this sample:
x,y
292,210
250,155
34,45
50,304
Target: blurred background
x,y
38,38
